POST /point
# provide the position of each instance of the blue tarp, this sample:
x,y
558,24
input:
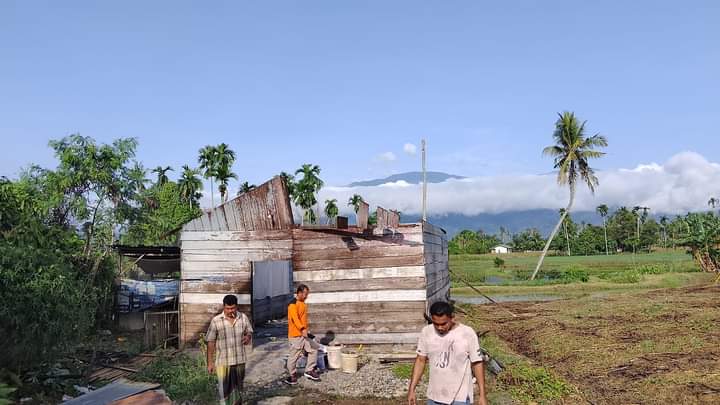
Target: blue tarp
x,y
138,296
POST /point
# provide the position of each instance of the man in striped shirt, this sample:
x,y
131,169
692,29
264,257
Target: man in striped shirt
x,y
227,337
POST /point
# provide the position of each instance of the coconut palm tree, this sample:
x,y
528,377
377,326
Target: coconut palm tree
x,y
306,188
602,209
162,174
664,223
331,210
571,152
355,202
245,187
208,160
190,185
223,176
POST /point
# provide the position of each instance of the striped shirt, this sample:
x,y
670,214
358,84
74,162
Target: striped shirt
x,y
227,334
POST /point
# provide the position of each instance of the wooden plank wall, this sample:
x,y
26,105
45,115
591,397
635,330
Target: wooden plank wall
x,y
436,263
264,207
363,288
216,263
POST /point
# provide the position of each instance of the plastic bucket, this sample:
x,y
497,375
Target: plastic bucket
x,y
349,362
333,356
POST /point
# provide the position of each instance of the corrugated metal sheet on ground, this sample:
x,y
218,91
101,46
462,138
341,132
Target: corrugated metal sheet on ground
x,y
118,390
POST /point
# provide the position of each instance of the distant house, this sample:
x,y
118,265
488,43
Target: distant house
x,y
501,249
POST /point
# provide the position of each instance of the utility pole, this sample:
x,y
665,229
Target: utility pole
x,y
424,189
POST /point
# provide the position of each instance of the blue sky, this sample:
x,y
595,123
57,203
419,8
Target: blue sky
x,y
339,83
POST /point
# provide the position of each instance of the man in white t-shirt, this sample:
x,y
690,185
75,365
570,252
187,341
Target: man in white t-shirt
x,y
453,352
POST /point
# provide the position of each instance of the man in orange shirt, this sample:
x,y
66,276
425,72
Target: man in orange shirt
x,y
298,337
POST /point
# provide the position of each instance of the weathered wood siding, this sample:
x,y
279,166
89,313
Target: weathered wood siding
x,y
264,207
218,248
364,288
218,263
436,258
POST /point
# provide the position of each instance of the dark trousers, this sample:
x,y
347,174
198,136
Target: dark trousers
x,y
230,383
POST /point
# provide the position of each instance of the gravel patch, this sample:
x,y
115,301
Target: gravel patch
x,y
266,370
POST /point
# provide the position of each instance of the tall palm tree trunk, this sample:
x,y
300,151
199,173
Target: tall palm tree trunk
x,y
567,238
554,232
212,193
607,250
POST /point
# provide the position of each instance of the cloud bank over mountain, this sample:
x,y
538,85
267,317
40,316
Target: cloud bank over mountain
x,y
683,183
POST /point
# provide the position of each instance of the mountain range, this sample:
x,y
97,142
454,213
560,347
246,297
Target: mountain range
x,y
409,177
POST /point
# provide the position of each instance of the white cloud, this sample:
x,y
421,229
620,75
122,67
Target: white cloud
x,y
684,183
410,149
387,157
396,184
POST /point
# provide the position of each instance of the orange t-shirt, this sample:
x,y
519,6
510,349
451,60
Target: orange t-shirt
x,y
297,319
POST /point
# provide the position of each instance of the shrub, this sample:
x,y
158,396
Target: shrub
x,y
498,262
183,377
575,274
652,269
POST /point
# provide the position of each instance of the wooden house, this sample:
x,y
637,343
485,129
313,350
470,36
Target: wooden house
x,y
367,285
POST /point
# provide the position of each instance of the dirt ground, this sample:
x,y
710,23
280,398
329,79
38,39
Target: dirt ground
x,y
650,347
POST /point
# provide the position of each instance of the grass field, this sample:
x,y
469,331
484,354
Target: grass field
x,y
517,267
650,346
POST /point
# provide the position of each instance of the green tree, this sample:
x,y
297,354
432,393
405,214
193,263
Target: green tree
x,y
702,238
621,228
92,186
289,180
463,242
159,222
602,210
223,171
190,185
331,210
162,177
208,160
528,240
664,220
245,187
223,176
355,201
640,219
571,152
306,189
47,286
649,234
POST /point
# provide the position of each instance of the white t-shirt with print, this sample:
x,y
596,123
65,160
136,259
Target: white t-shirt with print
x,y
449,358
